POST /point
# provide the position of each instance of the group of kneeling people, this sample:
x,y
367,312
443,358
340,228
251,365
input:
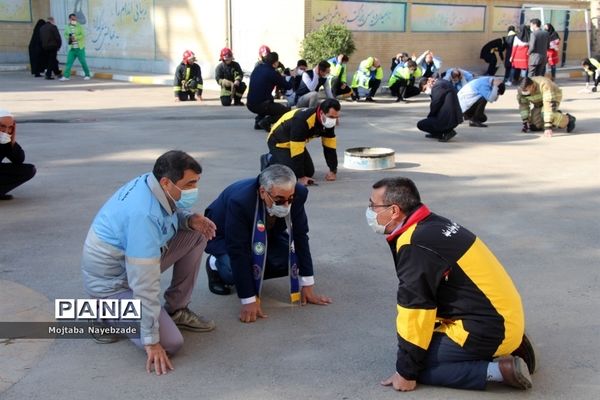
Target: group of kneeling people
x,y
460,320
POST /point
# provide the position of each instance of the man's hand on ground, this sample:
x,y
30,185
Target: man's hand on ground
x,y
157,358
548,133
399,383
331,176
309,296
250,312
203,225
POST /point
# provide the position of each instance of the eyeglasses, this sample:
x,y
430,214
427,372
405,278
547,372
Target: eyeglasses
x,y
278,200
373,206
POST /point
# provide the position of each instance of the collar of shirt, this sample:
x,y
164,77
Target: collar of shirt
x,y
159,193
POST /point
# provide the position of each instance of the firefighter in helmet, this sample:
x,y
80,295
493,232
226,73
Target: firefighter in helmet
x,y
188,79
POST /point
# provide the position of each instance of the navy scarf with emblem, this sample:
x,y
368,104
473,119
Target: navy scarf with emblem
x,y
259,252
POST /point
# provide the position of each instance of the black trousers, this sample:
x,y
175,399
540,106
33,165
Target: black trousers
x,y
13,175
186,96
336,88
51,62
239,92
433,126
283,156
404,89
476,112
507,70
268,109
492,62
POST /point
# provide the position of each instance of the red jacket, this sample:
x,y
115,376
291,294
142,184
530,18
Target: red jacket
x,y
520,59
552,52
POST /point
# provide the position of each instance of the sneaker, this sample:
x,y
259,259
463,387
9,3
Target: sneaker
x,y
188,320
265,123
86,78
238,103
370,100
571,124
103,339
64,78
508,83
447,136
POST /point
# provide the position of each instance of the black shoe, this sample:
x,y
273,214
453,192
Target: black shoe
x,y
238,103
477,124
571,124
527,353
370,100
215,283
265,159
49,78
37,75
432,136
594,89
257,126
265,124
483,118
354,97
447,136
6,196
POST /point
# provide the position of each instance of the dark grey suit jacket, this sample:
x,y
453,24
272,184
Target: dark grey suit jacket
x,y
538,44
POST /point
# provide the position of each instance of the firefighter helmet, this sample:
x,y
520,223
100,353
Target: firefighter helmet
x,y
189,57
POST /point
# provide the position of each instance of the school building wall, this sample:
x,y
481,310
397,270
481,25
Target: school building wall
x,y
454,30
151,35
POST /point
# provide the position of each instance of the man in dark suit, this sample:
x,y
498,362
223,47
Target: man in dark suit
x,y
262,233
538,45
444,111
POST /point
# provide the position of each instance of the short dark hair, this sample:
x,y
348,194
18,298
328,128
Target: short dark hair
x,y
345,58
323,65
400,191
72,15
511,28
173,164
328,104
501,89
536,22
411,64
271,58
301,63
587,63
525,83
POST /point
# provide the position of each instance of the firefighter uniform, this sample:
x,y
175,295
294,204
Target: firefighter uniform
x,y
289,136
188,81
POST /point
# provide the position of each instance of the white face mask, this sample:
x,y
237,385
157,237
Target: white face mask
x,y
329,122
372,221
525,93
5,138
279,211
73,22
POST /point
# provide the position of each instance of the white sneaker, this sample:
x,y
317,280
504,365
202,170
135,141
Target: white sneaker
x,y
87,78
64,79
508,83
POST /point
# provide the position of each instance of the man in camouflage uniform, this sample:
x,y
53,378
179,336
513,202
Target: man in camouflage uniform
x,y
545,96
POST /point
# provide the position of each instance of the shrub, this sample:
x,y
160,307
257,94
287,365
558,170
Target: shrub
x,y
326,42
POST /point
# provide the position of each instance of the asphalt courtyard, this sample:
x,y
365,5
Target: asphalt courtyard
x,y
533,200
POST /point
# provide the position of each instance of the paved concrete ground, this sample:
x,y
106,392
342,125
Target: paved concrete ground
x,y
533,200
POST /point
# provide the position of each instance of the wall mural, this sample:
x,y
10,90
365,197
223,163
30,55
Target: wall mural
x,y
360,16
114,28
447,18
15,11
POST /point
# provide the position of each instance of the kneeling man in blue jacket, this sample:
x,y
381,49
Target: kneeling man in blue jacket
x,y
262,233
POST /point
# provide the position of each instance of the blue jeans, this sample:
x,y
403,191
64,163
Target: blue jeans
x,y
276,265
449,365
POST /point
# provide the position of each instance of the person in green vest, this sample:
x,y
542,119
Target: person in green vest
x,y
338,75
75,36
367,79
402,81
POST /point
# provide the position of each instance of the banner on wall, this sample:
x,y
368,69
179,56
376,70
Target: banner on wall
x,y
504,17
15,11
113,28
368,16
447,18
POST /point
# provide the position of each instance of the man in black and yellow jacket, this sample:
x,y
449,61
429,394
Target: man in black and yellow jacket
x,y
460,320
290,134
